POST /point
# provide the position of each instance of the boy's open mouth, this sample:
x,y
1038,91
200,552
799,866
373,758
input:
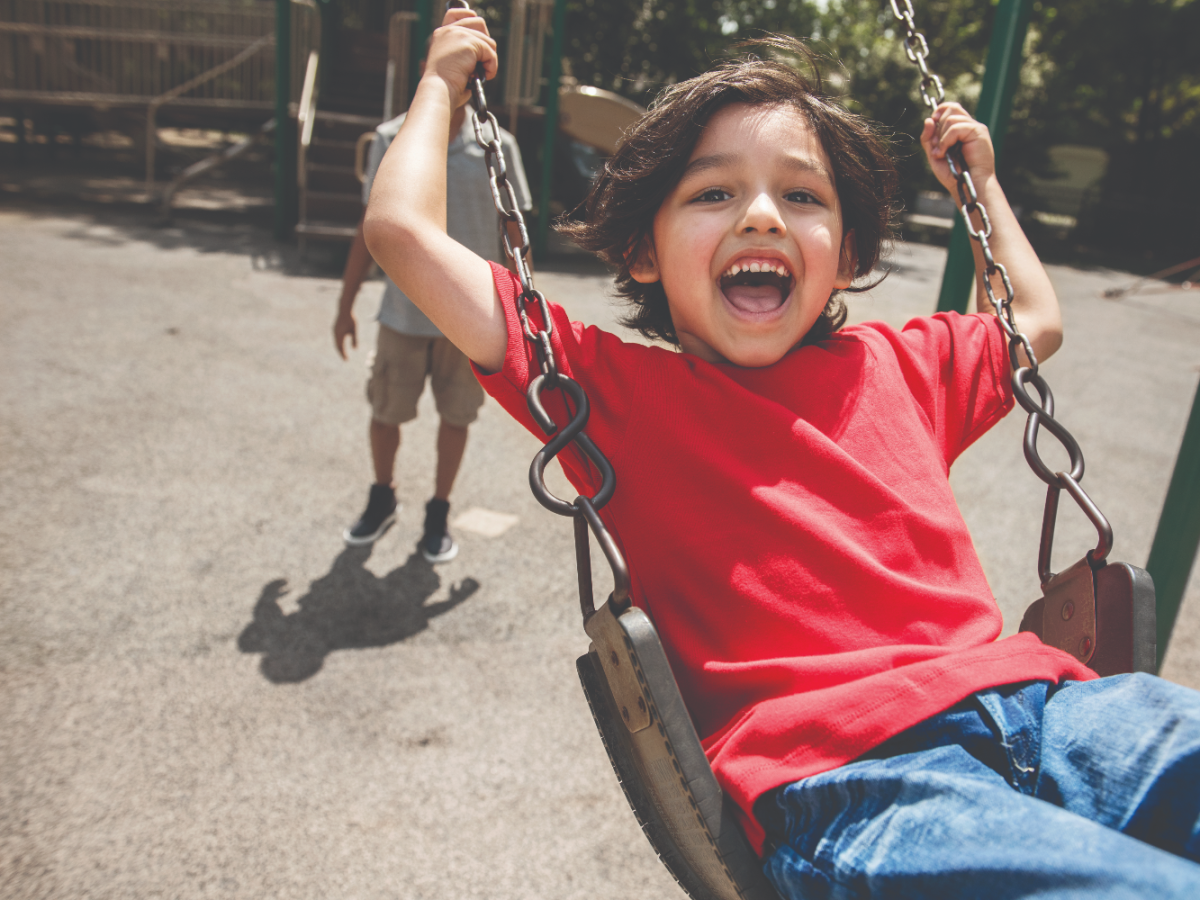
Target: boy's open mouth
x,y
756,287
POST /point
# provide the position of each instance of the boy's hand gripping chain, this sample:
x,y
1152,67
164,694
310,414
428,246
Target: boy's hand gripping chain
x,y
1040,413
584,510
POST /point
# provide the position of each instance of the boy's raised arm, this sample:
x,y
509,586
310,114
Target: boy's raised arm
x,y
1035,304
405,222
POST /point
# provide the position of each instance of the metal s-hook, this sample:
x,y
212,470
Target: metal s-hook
x,y
1104,532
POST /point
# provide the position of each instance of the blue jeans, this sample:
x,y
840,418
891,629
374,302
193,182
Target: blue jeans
x,y
1086,789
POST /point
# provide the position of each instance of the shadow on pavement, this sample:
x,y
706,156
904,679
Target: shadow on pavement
x,y
348,608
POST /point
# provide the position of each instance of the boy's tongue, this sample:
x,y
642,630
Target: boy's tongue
x,y
754,298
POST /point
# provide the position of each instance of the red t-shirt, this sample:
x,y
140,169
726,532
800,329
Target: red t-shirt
x,y
792,533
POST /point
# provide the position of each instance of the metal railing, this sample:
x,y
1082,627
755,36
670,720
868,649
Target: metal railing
x,y
204,78
132,51
121,53
531,22
306,119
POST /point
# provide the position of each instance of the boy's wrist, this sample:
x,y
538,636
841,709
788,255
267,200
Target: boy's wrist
x,y
985,183
453,88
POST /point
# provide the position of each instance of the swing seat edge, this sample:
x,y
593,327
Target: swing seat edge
x,y
662,769
1125,621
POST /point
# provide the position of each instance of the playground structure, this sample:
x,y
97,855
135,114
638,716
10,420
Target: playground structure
x,y
341,66
182,62
334,124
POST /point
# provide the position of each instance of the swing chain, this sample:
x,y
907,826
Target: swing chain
x,y
504,197
1041,411
916,48
917,51
584,509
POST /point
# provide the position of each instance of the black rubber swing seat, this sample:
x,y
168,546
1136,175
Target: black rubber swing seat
x,y
654,749
1104,617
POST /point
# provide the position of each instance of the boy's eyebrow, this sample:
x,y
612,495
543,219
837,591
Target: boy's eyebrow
x,y
717,160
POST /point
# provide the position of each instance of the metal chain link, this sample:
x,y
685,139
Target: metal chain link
x,y
917,51
584,509
487,136
916,48
1040,410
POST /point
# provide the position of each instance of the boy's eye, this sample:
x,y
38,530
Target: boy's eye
x,y
713,195
802,197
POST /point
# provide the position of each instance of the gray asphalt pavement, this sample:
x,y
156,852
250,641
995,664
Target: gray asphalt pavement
x,y
203,693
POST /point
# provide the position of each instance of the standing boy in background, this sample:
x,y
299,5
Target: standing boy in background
x,y
410,348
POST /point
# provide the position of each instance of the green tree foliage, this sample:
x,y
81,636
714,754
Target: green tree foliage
x,y
883,85
636,47
1122,75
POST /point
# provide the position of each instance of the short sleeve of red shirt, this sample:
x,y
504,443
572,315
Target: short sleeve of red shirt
x,y
957,370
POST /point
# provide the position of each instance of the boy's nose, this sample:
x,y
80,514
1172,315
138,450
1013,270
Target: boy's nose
x,y
762,215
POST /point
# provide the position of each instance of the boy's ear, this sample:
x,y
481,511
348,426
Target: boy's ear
x,y
847,262
643,263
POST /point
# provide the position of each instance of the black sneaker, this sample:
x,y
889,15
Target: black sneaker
x,y
376,518
437,545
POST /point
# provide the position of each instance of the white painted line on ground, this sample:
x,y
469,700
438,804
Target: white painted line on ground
x,y
485,521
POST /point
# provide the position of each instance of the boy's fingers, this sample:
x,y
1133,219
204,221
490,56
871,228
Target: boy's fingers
x,y
959,133
475,23
927,136
476,32
455,14
949,106
465,18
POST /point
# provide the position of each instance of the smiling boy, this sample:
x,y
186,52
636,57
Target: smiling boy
x,y
750,240
783,501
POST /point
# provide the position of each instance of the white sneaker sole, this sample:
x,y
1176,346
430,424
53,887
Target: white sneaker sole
x,y
441,557
353,541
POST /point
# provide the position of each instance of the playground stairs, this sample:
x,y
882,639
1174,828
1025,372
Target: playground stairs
x,y
345,109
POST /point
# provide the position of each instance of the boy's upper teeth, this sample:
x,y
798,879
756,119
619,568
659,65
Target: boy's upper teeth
x,y
778,268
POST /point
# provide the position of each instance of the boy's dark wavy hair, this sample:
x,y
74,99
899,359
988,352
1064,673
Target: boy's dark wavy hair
x,y
618,214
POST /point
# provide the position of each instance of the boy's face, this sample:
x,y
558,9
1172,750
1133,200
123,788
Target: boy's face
x,y
749,245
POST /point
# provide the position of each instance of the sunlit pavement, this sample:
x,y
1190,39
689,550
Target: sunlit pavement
x,y
204,693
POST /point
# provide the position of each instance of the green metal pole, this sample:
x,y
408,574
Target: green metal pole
x,y
420,36
995,103
556,55
285,133
1173,552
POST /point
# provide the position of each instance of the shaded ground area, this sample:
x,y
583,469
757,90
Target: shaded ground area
x,y
204,693
107,168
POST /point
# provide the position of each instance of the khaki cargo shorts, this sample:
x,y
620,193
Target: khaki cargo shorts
x,y
399,367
